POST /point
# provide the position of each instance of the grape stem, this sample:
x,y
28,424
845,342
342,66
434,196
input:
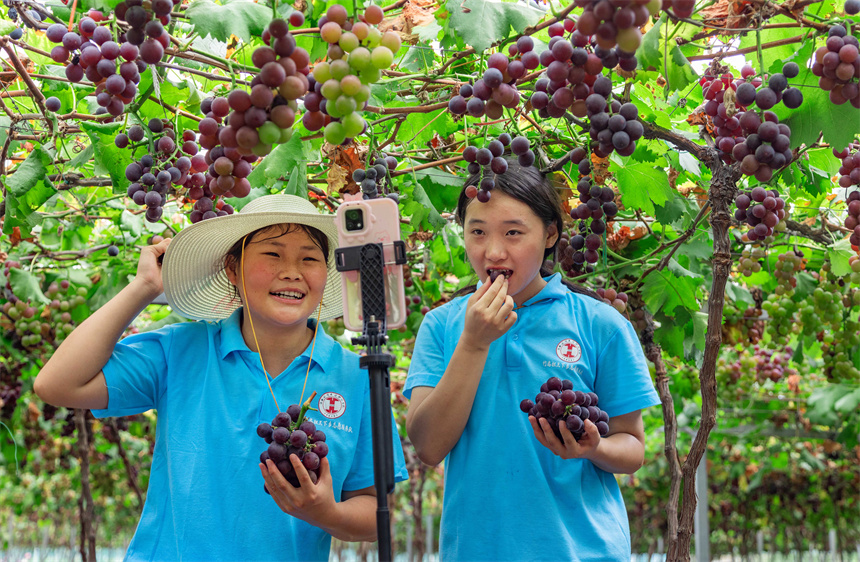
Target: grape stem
x,y
305,407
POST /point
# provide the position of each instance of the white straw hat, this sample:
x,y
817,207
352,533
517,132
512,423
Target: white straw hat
x,y
195,283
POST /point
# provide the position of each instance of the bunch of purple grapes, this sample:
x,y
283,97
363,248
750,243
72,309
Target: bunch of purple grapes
x,y
265,116
96,55
615,22
837,64
493,156
573,66
493,92
374,178
291,434
168,168
681,8
146,21
146,28
616,131
766,148
597,206
762,209
557,401
776,91
849,170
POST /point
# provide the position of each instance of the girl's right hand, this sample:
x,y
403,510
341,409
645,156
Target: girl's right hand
x,y
489,314
149,267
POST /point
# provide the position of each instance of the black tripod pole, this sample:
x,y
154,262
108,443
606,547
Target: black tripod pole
x,y
369,260
378,364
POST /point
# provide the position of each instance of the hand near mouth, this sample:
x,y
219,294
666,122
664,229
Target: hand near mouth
x,y
489,314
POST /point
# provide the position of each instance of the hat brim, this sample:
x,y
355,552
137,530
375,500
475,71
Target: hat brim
x,y
195,283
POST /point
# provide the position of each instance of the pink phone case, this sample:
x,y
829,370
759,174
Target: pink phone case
x,y
381,225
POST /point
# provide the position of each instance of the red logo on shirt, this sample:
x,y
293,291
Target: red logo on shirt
x,y
568,350
332,405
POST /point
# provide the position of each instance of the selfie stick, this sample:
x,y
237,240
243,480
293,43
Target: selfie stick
x,y
369,260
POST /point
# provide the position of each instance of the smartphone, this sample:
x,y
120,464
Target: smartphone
x,y
371,221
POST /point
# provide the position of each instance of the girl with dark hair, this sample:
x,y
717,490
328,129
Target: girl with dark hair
x,y
513,490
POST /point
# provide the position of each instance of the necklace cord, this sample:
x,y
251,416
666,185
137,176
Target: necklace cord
x,y
257,345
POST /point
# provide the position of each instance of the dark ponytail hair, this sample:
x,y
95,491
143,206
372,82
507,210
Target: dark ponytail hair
x,y
528,185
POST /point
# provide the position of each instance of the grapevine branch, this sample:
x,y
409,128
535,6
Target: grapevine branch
x,y
722,191
16,62
654,353
746,50
85,502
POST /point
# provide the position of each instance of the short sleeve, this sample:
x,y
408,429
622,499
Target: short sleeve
x,y
428,357
623,380
361,472
136,374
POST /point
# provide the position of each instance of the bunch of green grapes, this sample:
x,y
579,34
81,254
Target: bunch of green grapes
x,y
750,261
340,86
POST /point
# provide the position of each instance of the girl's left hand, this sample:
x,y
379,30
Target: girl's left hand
x,y
568,447
313,503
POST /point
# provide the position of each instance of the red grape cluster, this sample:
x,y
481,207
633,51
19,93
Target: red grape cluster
x,y
572,68
95,55
852,7
340,87
852,221
265,116
761,209
146,21
849,171
837,64
291,434
615,22
750,261
374,178
616,300
557,401
726,101
493,92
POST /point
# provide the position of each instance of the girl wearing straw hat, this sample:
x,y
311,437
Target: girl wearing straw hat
x,y
263,280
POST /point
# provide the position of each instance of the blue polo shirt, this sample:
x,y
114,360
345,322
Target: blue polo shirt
x,y
205,499
507,497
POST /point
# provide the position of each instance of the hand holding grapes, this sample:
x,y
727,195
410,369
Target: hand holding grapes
x,y
311,502
489,314
149,266
567,447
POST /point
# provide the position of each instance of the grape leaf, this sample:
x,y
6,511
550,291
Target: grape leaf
x,y
642,185
30,172
25,285
677,69
481,23
663,290
108,156
240,18
7,27
838,254
817,114
287,158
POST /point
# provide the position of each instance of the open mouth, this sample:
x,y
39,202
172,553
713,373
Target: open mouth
x,y
289,295
493,273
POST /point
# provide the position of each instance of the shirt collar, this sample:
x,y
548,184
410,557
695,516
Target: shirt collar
x,y
232,340
554,289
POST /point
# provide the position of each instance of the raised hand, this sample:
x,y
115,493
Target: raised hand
x,y
149,266
489,314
